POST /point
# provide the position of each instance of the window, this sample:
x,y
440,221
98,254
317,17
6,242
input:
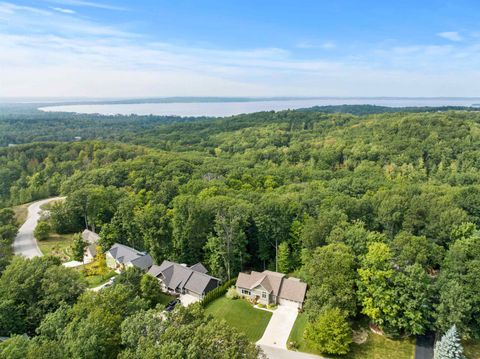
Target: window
x,y
246,292
264,295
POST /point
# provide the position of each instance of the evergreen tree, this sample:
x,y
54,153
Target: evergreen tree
x,y
450,346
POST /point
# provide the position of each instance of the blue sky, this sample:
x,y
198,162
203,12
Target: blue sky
x,y
93,48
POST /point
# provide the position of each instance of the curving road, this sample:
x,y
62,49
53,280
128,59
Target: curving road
x,y
25,243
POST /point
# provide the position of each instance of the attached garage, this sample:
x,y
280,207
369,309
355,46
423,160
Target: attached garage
x,y
289,303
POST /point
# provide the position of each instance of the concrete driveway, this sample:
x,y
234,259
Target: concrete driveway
x,y
187,299
25,243
277,353
278,329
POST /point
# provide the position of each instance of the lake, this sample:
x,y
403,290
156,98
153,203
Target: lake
x,y
221,109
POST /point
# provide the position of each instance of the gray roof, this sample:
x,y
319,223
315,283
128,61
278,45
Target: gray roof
x,y
199,267
177,276
124,254
90,237
275,283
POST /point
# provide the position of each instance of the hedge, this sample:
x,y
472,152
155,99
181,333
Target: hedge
x,y
217,292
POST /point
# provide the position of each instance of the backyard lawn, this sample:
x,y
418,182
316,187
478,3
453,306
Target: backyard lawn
x,y
241,315
96,272
98,279
376,346
57,245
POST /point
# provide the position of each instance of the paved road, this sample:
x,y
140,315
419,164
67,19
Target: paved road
x,y
25,243
424,347
277,353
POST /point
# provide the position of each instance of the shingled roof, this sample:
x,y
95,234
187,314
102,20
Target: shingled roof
x,y
179,277
125,254
274,283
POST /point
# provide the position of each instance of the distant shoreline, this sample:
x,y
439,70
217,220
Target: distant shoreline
x,y
223,107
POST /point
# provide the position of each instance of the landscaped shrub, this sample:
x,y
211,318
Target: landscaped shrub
x,y
260,305
232,293
272,306
42,230
217,292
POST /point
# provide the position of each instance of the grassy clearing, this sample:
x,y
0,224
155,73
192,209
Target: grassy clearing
x,y
376,346
48,206
57,245
472,350
96,273
21,213
241,315
96,280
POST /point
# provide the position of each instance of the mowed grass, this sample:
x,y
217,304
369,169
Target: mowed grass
x,y
472,350
241,315
96,280
376,346
57,245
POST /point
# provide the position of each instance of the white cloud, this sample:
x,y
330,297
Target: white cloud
x,y
67,55
326,45
63,10
82,3
451,35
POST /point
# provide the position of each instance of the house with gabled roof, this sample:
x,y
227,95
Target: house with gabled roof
x,y
91,238
179,278
120,257
269,287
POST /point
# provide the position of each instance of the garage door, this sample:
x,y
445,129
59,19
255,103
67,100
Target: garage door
x,y
288,303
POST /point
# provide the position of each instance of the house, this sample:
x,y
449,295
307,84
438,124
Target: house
x,y
91,238
269,287
121,256
179,278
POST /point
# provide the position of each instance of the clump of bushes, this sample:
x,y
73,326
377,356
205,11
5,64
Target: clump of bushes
x,y
42,230
260,305
232,293
272,306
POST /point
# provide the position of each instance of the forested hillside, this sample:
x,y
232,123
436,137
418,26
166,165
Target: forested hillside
x,y
394,198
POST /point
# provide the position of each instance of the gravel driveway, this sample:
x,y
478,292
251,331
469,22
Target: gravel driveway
x,y
25,243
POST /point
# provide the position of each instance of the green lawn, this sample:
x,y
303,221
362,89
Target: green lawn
x,y
96,280
472,350
376,346
57,245
241,315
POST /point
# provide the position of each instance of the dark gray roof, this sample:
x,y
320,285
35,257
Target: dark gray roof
x,y
199,267
177,276
124,254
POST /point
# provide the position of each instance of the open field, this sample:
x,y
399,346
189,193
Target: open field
x,y
57,245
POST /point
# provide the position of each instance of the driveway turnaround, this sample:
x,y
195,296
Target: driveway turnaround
x,y
25,243
278,329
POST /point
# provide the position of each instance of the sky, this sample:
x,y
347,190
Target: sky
x,y
158,48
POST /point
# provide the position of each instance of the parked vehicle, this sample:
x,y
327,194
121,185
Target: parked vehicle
x,y
170,306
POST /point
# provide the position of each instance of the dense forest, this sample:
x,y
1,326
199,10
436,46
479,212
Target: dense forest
x,y
378,213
